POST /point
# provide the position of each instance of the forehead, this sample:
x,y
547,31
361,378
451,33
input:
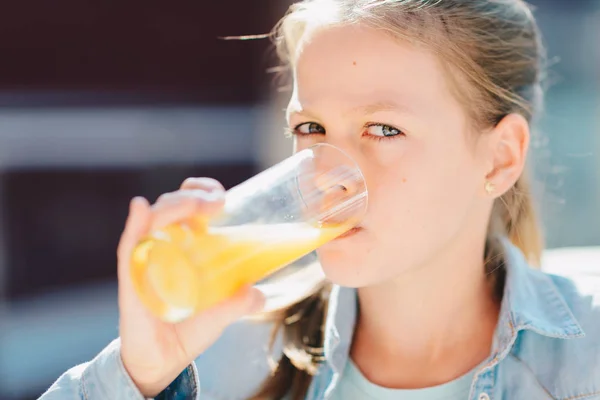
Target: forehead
x,y
357,64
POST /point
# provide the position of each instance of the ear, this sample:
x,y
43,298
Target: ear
x,y
508,146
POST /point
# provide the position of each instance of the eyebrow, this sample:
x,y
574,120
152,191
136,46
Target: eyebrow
x,y
298,111
367,109
381,106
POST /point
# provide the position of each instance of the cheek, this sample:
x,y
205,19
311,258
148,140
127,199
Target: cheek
x,y
427,190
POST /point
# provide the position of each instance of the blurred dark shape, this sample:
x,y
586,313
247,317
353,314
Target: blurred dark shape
x,y
74,52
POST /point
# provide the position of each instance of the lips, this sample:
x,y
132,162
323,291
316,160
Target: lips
x,y
349,233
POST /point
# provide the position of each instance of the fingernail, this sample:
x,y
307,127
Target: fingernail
x,y
214,195
215,189
134,202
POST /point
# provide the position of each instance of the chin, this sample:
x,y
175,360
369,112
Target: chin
x,y
360,260
344,263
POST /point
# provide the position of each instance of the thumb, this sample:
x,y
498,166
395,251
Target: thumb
x,y
136,227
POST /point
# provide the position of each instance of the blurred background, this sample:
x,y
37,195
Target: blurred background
x,y
104,100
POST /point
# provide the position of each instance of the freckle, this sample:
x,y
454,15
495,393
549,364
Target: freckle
x,y
403,180
353,62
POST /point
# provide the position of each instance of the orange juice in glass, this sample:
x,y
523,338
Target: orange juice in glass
x,y
267,222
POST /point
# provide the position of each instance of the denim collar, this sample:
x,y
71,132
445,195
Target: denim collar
x,y
530,302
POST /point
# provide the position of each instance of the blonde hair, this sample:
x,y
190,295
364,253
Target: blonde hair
x,y
492,48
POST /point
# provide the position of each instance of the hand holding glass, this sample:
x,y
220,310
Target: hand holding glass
x,y
267,222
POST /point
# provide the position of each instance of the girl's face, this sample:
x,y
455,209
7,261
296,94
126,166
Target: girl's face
x,y
389,105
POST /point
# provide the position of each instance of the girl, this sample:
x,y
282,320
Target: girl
x,y
435,295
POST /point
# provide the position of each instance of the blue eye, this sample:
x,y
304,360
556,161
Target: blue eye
x,y
382,130
309,128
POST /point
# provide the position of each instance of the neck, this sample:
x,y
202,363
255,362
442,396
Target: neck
x,y
432,324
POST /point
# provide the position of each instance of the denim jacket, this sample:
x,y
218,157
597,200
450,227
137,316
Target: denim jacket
x,y
546,346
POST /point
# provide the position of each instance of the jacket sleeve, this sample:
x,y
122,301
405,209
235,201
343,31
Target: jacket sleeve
x,y
105,378
233,368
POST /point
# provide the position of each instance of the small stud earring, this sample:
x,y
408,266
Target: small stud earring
x,y
489,187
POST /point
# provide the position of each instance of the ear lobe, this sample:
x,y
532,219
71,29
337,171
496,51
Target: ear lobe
x,y
508,152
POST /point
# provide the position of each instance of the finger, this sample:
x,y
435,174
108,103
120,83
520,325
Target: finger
x,y
136,226
181,205
201,330
207,184
248,300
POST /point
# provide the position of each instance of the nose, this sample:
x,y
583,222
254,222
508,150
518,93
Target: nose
x,y
334,186
336,169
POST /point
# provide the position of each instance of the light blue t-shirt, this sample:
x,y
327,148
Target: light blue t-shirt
x,y
354,386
